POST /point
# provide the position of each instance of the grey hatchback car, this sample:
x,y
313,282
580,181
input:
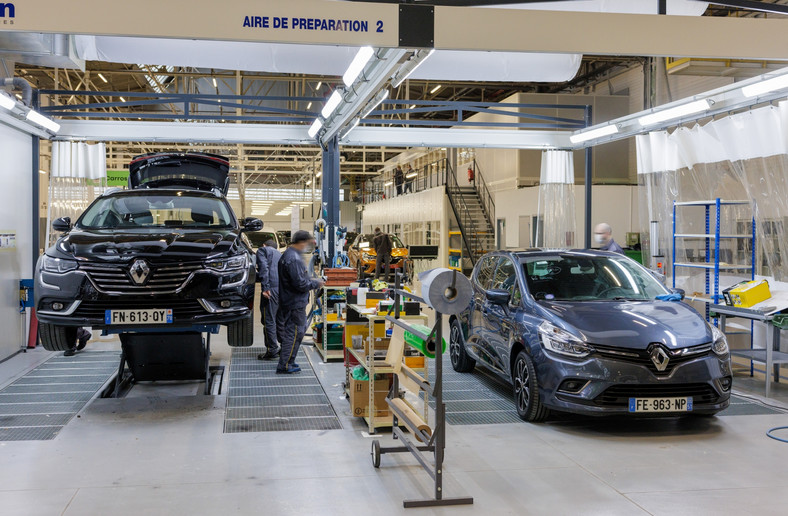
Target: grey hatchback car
x,y
582,332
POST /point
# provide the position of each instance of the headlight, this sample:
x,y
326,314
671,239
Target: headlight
x,y
562,342
58,265
228,264
367,257
720,343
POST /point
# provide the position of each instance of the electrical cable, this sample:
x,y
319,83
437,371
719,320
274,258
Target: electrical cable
x,y
769,434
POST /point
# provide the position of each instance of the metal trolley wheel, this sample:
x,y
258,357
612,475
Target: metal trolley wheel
x,y
375,453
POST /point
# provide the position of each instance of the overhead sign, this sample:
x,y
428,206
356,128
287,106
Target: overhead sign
x,y
305,21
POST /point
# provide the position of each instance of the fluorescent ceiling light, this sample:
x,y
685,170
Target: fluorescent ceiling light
x,y
331,104
214,82
683,110
319,173
42,171
19,96
308,183
412,174
309,106
412,106
389,183
103,78
315,127
769,85
357,65
436,88
124,100
593,134
7,102
400,80
319,84
47,123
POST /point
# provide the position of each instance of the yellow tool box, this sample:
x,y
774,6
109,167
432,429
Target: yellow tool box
x,y
747,293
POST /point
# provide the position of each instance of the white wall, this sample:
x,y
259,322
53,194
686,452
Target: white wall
x,y
15,215
615,204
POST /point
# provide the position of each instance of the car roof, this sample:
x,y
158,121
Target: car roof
x,y
544,251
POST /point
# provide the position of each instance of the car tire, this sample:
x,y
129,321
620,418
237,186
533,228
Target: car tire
x,y
240,334
526,390
57,338
460,360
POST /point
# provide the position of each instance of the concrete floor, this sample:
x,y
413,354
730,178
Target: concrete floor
x,y
161,450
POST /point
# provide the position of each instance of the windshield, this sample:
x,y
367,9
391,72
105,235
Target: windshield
x,y
151,209
589,278
258,238
365,241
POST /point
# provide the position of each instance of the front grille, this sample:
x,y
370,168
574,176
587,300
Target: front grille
x,y
162,279
618,395
643,357
181,308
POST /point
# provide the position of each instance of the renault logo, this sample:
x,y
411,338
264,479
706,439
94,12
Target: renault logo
x,y
660,358
139,271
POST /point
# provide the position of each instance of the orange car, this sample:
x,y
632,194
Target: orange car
x,y
362,256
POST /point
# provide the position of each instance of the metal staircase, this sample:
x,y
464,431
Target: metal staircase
x,y
474,210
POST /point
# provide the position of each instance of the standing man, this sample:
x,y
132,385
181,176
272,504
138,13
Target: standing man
x,y
603,234
399,178
268,275
408,179
382,245
294,287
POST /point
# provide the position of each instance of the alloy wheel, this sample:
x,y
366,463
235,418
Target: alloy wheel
x,y
522,389
454,344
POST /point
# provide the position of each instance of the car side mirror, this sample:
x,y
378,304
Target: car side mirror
x,y
252,224
498,296
679,291
62,225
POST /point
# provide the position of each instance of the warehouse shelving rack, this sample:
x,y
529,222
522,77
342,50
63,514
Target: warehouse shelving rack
x,y
708,265
712,261
322,344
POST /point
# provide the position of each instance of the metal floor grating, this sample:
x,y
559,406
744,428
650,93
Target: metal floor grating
x,y
479,399
259,400
38,405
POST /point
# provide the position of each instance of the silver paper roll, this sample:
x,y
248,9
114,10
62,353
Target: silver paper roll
x,y
445,290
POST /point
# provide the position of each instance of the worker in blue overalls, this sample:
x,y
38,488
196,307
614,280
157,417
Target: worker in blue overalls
x,y
268,275
295,284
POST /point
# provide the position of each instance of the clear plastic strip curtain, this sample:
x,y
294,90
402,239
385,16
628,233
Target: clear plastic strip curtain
x,y
556,221
78,176
743,157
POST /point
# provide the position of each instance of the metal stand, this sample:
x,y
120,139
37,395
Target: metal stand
x,y
165,363
435,443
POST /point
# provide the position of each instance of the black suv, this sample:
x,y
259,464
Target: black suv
x,y
166,253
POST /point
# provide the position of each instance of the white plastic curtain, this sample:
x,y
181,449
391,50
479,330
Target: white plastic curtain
x,y
740,157
78,175
556,220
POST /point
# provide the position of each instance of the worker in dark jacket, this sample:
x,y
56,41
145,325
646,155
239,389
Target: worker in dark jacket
x,y
381,243
295,285
268,276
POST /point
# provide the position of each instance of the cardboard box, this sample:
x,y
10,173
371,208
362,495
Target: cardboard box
x,y
359,397
415,362
382,344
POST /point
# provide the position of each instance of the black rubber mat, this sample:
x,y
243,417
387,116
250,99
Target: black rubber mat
x,y
478,398
38,405
259,400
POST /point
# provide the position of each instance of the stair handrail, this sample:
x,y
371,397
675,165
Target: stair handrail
x,y
466,221
488,204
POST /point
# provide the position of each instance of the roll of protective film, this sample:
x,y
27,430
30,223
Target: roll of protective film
x,y
445,290
415,341
412,420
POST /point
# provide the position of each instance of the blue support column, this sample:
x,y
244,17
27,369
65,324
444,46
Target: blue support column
x,y
589,179
330,201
